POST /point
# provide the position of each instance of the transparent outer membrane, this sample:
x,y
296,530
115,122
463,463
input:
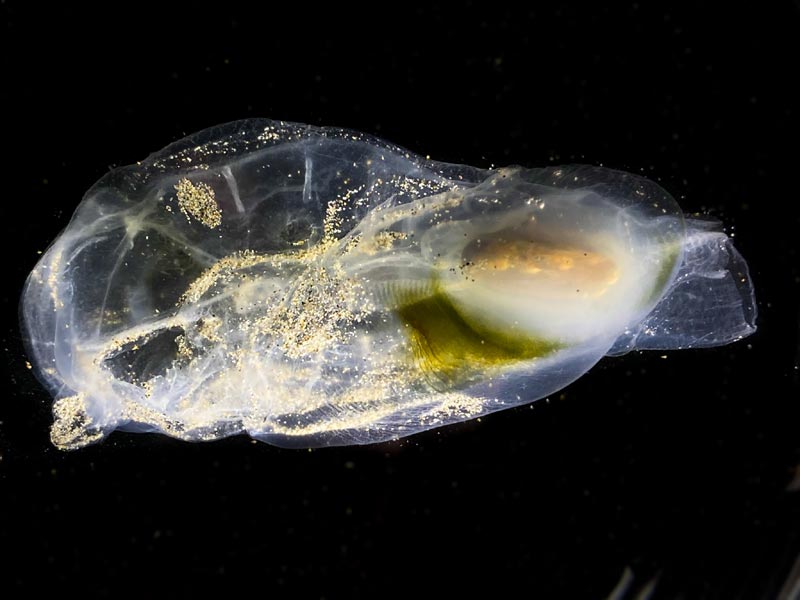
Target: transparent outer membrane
x,y
316,286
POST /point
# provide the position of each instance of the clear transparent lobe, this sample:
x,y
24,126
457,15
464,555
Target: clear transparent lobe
x,y
315,286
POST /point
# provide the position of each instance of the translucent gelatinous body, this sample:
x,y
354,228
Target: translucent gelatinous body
x,y
314,286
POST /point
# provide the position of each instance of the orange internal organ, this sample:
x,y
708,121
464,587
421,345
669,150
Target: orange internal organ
x,y
542,265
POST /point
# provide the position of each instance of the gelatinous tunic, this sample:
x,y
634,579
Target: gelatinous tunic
x,y
315,286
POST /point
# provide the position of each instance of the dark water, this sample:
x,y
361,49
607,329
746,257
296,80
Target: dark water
x,y
667,476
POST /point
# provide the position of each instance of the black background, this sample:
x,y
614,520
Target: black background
x,y
676,468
